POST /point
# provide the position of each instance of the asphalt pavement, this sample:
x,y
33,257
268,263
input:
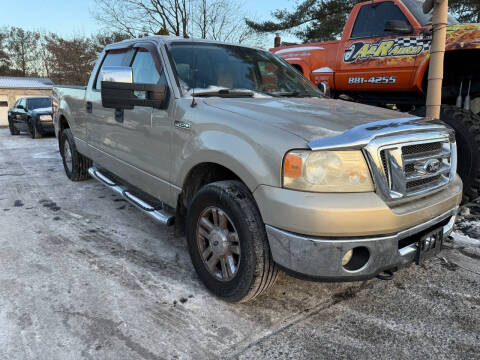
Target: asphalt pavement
x,y
84,275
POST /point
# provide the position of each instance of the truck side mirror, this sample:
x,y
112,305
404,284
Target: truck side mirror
x,y
120,92
398,27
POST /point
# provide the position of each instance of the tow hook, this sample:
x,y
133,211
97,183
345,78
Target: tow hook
x,y
386,275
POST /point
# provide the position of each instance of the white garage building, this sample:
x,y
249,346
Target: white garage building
x,y
12,88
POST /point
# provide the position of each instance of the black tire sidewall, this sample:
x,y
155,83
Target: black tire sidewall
x,y
13,129
31,127
467,133
240,285
68,137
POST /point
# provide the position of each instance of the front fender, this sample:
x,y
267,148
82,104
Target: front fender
x,y
231,151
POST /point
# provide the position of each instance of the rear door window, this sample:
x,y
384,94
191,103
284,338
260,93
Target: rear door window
x,y
39,103
113,58
372,18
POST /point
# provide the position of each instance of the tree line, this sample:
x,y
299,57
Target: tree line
x,y
69,60
64,60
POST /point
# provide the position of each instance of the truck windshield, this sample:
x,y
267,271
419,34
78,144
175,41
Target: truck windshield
x,y
210,69
415,7
38,103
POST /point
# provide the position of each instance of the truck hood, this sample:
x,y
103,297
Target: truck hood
x,y
308,118
463,36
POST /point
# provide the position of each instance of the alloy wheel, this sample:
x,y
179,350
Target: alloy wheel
x,y
218,243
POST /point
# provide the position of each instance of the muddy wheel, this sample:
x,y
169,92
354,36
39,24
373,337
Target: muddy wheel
x,y
75,164
467,129
13,129
228,242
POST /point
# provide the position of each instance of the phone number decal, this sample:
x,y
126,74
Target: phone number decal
x,y
373,80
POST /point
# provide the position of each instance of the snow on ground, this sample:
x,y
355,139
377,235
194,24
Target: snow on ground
x,y
467,228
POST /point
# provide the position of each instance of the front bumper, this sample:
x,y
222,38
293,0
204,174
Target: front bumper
x,y
321,258
46,126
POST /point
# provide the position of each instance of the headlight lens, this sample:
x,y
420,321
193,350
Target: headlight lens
x,y
327,171
45,117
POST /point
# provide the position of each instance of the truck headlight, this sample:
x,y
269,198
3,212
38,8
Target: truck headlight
x,y
45,117
327,171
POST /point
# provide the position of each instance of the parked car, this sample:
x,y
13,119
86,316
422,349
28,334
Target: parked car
x,y
260,168
383,58
32,115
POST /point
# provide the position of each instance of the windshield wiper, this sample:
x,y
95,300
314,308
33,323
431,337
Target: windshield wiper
x,y
289,94
225,93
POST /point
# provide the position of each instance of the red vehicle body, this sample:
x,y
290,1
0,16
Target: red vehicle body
x,y
382,59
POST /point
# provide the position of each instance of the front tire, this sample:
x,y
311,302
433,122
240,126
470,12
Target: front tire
x,y
75,164
32,129
228,243
13,129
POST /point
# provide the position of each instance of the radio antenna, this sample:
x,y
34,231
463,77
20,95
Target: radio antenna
x,y
194,61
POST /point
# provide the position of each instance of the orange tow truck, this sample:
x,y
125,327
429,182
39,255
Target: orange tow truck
x,y
383,58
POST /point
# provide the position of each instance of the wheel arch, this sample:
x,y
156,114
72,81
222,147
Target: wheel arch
x,y
200,175
62,125
458,65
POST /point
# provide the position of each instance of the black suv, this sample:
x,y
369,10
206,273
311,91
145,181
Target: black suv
x,y
33,115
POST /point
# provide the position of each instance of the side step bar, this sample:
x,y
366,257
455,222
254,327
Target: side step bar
x,y
160,215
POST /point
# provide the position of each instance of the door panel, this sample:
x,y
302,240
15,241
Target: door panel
x,y
146,131
135,146
374,59
102,128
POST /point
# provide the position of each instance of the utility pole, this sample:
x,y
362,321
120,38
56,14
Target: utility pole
x,y
437,55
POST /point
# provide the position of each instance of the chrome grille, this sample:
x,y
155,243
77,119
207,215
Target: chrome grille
x,y
426,165
412,166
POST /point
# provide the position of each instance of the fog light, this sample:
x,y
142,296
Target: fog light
x,y
347,257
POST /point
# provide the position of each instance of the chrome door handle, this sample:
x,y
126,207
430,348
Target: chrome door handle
x,y
182,124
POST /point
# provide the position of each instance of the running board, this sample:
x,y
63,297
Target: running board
x,y
162,216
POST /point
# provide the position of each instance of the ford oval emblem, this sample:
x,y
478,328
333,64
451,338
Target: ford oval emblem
x,y
432,166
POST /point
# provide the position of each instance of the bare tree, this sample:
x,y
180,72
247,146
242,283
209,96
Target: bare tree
x,y
135,17
209,19
221,20
22,49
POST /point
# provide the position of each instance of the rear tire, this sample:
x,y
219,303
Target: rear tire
x,y
75,164
13,129
467,129
245,244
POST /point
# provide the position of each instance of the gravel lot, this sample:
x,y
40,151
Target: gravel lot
x,y
83,275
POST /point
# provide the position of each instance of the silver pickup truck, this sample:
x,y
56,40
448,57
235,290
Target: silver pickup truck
x,y
257,166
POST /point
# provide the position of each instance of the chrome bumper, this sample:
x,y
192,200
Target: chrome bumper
x,y
322,258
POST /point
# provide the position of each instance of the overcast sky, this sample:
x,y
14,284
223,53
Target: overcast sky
x,y
72,17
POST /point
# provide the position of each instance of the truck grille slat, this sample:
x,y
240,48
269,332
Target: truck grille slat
x,y
418,176
421,148
414,159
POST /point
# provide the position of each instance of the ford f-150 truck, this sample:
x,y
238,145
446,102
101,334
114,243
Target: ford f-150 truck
x,y
383,58
260,169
